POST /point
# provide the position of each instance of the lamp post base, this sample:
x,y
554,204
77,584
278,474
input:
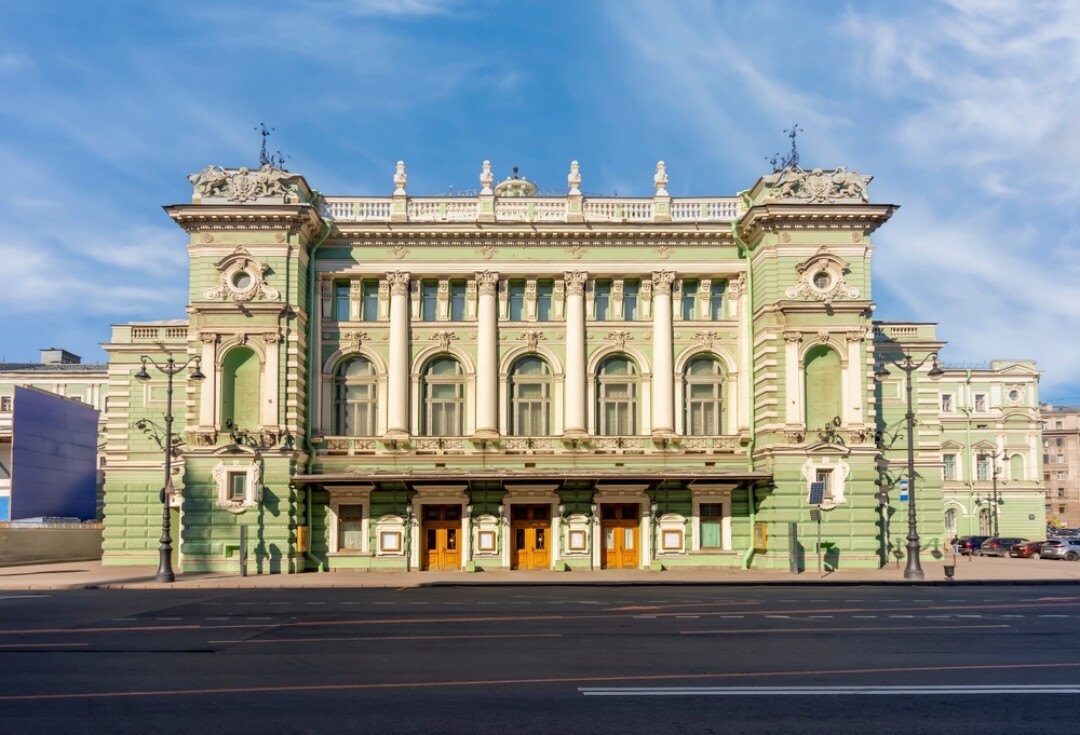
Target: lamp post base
x,y
913,571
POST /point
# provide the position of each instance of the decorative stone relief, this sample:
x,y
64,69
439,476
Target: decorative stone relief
x,y
706,339
736,286
241,278
486,178
400,178
532,338
664,251
855,335
240,185
444,338
619,339
209,338
251,472
818,186
206,237
792,336
279,237
398,251
821,277
352,341
575,251
487,252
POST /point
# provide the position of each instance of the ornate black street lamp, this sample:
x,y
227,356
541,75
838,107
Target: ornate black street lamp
x,y
170,368
994,470
914,567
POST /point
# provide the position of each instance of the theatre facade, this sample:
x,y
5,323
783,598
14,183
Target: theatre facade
x,y
510,380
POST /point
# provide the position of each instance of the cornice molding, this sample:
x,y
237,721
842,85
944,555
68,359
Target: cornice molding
x,y
580,236
774,217
302,219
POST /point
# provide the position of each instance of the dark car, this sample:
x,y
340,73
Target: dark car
x,y
1026,550
998,545
969,544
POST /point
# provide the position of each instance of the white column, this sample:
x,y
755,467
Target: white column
x,y
793,416
207,391
742,310
663,368
575,354
268,413
853,413
398,376
487,360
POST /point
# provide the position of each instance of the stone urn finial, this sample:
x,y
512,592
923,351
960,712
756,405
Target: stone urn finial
x,y
574,179
486,179
660,180
400,178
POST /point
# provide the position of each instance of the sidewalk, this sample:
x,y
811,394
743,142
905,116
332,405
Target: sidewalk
x,y
93,575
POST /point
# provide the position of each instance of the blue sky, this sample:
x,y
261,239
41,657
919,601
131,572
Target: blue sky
x,y
966,112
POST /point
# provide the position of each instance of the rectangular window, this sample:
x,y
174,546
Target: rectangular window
x,y
1059,441
980,402
1058,425
1061,509
1061,475
1061,492
544,291
370,301
717,290
457,301
689,299
516,291
1046,459
630,292
712,518
982,468
5,403
602,299
341,300
946,403
238,486
351,523
1061,459
429,294
825,477
948,466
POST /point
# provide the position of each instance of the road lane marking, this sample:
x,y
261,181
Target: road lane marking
x,y
911,628
21,597
40,645
816,691
394,638
526,682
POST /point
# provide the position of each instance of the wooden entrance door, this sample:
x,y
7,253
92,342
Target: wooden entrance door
x,y
441,537
619,535
530,530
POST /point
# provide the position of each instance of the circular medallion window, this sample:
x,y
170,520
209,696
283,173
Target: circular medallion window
x,y
241,280
1014,395
822,280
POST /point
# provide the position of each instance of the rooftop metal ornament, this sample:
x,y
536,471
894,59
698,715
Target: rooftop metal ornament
x,y
791,160
275,160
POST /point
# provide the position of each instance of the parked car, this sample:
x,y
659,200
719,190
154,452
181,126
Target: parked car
x,y
968,544
1026,550
998,546
1061,548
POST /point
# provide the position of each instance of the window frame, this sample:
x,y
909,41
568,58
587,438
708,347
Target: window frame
x,y
541,404
625,406
429,403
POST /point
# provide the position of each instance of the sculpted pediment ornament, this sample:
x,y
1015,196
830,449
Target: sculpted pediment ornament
x,y
241,278
822,278
242,184
818,186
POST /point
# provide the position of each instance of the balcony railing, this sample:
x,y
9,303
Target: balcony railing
x,y
533,209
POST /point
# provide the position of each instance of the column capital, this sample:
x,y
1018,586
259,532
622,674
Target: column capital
x,y
575,281
399,282
662,281
486,282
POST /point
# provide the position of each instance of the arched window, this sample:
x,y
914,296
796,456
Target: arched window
x,y
530,397
822,375
950,523
616,397
704,392
443,398
240,389
1016,467
355,398
984,521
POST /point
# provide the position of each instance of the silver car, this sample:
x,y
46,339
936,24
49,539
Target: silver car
x,y
1061,548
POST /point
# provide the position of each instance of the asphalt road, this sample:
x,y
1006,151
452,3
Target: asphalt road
x,y
534,659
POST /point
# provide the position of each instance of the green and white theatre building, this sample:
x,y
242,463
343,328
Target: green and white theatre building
x,y
514,381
